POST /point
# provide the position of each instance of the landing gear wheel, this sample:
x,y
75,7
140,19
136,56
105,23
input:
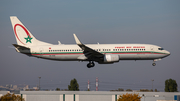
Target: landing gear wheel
x,y
154,64
90,64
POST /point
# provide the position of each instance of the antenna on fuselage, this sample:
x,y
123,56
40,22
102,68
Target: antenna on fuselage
x,y
59,43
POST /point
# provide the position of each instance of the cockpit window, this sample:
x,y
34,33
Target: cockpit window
x,y
160,48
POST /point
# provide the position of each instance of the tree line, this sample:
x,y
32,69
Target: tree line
x,y
170,86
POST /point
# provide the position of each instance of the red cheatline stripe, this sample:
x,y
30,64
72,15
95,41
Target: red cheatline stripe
x,y
138,53
59,54
82,53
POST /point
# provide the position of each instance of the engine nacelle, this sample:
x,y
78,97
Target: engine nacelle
x,y
110,58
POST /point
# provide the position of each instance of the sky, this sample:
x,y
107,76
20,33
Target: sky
x,y
107,22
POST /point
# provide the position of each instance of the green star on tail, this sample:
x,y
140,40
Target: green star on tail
x,y
28,39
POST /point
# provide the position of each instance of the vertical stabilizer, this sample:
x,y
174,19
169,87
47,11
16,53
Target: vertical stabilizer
x,y
23,35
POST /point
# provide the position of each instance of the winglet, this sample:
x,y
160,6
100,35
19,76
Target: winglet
x,y
77,40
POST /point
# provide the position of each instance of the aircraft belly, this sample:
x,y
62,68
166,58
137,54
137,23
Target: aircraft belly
x,y
67,57
141,56
134,57
156,56
61,57
75,57
127,56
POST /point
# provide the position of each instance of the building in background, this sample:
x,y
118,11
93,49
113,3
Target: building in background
x,y
95,95
15,87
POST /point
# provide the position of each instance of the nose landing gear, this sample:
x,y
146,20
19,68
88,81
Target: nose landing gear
x,y
154,64
90,64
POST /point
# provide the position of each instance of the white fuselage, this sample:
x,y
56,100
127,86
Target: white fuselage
x,y
125,51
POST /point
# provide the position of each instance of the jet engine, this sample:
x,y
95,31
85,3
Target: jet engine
x,y
111,58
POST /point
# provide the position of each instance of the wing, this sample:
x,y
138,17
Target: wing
x,y
90,53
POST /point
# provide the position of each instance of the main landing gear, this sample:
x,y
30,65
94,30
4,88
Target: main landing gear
x,y
90,64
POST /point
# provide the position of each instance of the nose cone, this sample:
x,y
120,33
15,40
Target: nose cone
x,y
168,53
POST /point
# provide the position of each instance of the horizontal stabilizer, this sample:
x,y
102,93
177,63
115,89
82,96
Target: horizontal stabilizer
x,y
20,47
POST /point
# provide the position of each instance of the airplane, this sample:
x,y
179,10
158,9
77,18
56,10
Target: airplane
x,y
100,53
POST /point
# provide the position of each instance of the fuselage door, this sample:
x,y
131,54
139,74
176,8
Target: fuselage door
x,y
41,51
152,48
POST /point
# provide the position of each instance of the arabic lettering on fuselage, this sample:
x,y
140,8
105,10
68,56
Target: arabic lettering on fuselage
x,y
131,47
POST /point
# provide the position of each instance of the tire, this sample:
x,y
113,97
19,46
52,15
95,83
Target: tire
x,y
154,64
